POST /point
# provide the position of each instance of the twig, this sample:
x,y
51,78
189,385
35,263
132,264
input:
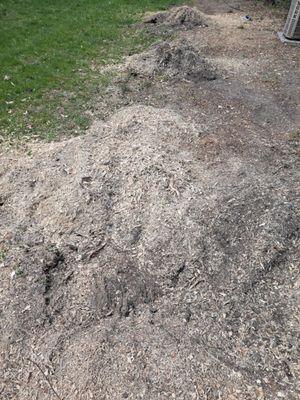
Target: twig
x,y
45,376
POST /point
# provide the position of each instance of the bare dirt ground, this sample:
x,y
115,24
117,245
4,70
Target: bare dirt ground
x,y
158,256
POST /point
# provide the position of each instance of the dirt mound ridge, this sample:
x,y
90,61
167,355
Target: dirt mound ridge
x,y
178,59
132,267
178,18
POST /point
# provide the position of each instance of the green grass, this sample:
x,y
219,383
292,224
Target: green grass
x,y
50,54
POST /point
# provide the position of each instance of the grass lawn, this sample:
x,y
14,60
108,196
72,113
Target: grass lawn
x,y
50,53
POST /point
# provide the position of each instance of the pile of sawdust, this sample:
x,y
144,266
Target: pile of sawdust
x,y
178,18
173,59
132,268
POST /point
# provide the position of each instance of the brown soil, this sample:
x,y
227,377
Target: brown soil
x,y
157,257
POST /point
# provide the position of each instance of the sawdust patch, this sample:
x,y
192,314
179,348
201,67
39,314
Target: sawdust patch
x,y
129,256
177,18
178,59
